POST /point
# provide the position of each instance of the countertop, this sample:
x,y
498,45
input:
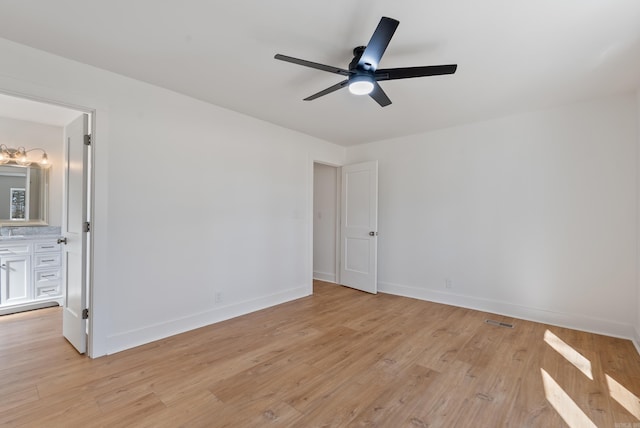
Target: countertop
x,y
27,237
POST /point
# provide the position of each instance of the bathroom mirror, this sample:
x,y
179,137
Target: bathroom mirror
x,y
23,195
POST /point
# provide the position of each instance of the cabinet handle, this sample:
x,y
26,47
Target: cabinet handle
x,y
51,290
51,246
48,261
48,275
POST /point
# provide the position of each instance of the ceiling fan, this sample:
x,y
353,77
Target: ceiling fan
x,y
363,73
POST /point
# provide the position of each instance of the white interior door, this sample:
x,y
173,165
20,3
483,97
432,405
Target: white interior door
x,y
74,216
359,226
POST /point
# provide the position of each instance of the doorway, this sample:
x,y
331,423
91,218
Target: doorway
x,y
326,221
38,127
345,225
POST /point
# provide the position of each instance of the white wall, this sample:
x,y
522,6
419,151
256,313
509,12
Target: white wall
x,y
528,215
15,133
531,215
325,197
637,332
192,202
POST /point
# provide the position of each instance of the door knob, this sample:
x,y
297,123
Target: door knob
x,y
373,233
62,241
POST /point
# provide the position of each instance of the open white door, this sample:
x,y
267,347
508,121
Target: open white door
x,y
74,231
358,227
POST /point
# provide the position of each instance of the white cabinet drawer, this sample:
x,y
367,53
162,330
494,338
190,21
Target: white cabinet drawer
x,y
11,249
42,277
47,260
44,247
47,290
47,283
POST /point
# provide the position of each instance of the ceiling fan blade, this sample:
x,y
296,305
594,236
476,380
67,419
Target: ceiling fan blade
x,y
315,65
379,95
408,72
378,43
328,90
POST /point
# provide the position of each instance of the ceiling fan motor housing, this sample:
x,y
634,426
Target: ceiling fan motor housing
x,y
357,54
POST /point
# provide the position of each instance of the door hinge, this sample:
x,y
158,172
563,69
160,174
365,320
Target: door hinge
x,y
86,227
85,314
87,140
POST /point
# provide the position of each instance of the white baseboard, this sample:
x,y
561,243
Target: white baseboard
x,y
126,340
130,339
324,276
573,321
8,310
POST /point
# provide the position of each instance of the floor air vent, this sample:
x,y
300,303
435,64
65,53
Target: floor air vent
x,y
499,323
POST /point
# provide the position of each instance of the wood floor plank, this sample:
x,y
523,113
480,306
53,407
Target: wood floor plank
x,y
402,396
196,408
495,368
444,399
338,358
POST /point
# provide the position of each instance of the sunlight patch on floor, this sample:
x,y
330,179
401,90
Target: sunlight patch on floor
x,y
564,405
570,354
624,397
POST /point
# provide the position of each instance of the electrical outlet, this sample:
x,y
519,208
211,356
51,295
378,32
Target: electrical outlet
x,y
217,297
448,283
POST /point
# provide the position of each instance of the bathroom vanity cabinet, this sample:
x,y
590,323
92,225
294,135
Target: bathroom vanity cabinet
x,y
30,270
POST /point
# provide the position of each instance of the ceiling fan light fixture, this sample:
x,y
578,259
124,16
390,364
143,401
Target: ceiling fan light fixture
x,y
360,85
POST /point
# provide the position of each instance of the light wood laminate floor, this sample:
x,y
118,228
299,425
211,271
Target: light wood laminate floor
x,y
337,358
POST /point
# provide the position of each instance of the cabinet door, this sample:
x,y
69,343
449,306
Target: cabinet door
x,y
15,280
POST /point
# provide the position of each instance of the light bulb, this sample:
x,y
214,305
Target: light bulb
x,y
21,158
361,84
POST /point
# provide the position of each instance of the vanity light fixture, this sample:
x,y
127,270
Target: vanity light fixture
x,y
19,156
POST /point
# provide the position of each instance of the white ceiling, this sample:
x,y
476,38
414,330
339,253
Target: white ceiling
x,y
512,56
